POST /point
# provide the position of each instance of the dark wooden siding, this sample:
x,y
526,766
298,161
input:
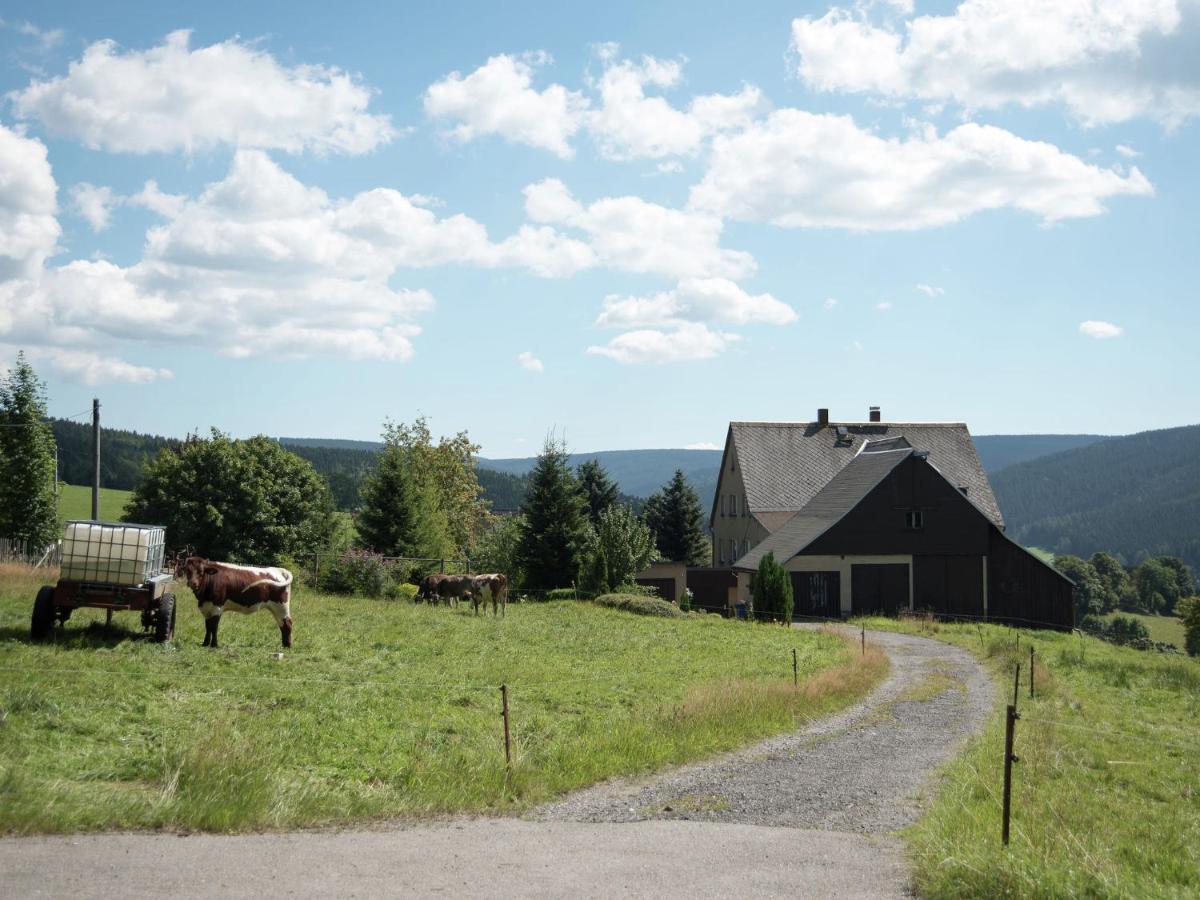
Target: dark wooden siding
x,y
817,594
878,588
1024,590
949,584
664,586
710,588
877,524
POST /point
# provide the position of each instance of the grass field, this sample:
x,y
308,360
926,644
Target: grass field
x,y
1106,796
380,710
75,502
1168,629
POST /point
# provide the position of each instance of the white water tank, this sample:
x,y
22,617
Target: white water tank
x,y
112,553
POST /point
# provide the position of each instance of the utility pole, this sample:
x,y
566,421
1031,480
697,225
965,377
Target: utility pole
x,y
95,459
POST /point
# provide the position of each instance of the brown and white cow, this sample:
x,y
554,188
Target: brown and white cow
x,y
493,587
243,589
452,588
429,588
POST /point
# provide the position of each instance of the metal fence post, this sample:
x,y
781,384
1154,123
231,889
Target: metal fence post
x,y
504,713
795,669
1016,683
1009,759
1031,672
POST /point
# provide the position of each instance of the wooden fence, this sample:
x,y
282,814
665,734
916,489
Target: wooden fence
x,y
33,555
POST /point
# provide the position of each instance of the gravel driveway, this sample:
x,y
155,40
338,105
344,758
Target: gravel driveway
x,y
808,814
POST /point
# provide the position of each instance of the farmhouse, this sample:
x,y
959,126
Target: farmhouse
x,y
875,517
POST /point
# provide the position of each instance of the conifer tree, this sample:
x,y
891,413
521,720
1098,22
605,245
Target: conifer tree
x,y
28,502
773,599
675,517
555,533
600,491
400,514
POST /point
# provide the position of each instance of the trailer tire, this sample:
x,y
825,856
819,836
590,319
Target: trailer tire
x,y
164,619
41,626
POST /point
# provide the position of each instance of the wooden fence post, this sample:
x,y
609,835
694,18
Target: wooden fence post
x,y
795,669
1016,683
1009,759
504,713
1031,672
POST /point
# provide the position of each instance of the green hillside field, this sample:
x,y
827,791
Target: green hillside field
x,y
1167,629
75,502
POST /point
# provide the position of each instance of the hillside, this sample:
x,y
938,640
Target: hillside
x,y
998,451
1134,496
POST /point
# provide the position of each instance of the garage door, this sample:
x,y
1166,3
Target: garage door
x,y
817,594
878,588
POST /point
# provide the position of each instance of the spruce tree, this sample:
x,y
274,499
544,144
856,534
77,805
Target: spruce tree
x,y
28,502
387,521
555,533
601,493
675,517
773,599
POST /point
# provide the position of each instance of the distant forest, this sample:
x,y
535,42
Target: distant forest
x,y
1135,497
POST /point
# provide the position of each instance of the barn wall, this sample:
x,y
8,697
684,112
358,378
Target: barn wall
x,y
1023,589
953,525
711,589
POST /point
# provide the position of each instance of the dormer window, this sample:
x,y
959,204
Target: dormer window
x,y
914,519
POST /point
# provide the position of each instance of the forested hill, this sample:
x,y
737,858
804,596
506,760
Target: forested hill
x,y
1133,496
998,451
638,472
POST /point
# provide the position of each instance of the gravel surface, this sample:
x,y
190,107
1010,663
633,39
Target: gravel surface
x,y
863,770
839,787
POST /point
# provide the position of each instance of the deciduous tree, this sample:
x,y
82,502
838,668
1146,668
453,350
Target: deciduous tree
x,y
625,544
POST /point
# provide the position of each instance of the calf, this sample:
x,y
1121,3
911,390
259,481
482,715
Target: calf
x,y
492,587
429,589
244,589
452,588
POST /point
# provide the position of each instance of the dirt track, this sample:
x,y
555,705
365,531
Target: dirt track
x,y
808,814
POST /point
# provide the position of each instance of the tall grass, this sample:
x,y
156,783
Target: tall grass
x,y
1106,796
380,710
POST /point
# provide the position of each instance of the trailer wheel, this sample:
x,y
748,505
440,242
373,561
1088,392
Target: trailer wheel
x,y
42,624
164,619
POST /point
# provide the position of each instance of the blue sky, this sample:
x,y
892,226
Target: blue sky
x,y
631,223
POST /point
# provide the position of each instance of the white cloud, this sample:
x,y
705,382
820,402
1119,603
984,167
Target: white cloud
x,y
857,345
703,445
1127,151
686,343
799,169
94,204
631,125
29,229
499,98
695,300
527,360
929,290
1104,60
883,305
830,303
670,167
150,197
172,97
48,38
633,235
1100,330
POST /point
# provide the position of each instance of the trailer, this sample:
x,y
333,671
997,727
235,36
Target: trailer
x,y
114,566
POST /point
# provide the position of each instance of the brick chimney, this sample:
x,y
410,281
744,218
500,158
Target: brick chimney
x,y
875,415
822,417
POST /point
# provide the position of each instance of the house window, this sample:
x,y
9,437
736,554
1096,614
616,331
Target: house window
x,y
733,504
914,519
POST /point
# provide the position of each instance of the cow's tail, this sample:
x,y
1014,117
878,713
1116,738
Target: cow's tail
x,y
284,582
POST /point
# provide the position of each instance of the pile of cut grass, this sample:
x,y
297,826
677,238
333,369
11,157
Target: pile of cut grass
x,y
1107,791
380,710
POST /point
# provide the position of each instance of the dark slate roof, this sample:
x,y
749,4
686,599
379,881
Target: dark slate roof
x,y
785,464
843,492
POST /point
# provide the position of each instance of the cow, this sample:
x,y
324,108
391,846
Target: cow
x,y
429,589
243,589
492,587
452,588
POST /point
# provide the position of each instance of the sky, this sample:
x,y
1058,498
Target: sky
x,y
628,223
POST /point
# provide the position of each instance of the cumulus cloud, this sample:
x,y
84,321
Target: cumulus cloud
x,y
172,97
626,122
527,360
29,229
695,300
1104,60
499,98
629,124
1100,330
634,235
883,305
830,303
94,204
686,343
929,290
800,169
1127,151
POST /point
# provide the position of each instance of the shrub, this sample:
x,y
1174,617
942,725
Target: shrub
x,y
1124,630
773,600
401,591
357,572
685,602
1189,611
641,606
